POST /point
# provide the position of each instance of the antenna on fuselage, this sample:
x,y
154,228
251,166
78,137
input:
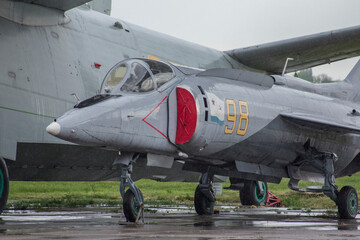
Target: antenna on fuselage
x,y
76,97
286,63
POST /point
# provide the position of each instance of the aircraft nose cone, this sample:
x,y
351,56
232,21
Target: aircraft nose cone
x,y
53,128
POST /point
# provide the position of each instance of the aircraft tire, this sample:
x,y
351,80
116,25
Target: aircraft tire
x,y
347,203
203,206
249,194
4,184
131,206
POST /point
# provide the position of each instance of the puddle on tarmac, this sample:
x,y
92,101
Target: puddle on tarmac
x,y
31,215
230,217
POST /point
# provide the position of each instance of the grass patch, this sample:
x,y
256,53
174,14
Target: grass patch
x,y
58,203
24,195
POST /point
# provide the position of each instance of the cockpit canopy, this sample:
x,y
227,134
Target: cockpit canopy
x,y
136,76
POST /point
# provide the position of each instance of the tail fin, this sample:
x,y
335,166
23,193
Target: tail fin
x,y
354,76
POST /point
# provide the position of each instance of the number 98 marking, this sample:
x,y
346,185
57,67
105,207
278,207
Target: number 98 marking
x,y
232,117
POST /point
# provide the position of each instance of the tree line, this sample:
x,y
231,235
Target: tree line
x,y
307,74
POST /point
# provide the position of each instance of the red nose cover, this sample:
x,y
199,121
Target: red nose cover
x,y
186,116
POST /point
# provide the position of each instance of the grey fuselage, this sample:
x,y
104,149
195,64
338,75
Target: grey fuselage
x,y
44,62
238,122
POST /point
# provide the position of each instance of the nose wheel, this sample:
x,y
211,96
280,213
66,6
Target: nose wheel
x,y
132,208
4,184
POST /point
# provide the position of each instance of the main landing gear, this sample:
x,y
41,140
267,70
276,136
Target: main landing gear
x,y
254,193
204,199
346,199
251,193
4,184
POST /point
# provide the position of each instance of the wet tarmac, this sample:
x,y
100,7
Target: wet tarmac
x,y
178,223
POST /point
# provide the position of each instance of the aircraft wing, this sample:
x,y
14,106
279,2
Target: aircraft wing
x,y
307,51
317,122
63,5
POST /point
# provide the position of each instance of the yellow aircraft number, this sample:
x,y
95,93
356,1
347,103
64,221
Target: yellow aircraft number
x,y
232,118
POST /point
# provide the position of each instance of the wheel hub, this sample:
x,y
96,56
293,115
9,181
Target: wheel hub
x,y
136,206
260,197
352,203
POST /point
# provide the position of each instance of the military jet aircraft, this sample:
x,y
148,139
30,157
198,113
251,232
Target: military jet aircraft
x,y
253,128
54,52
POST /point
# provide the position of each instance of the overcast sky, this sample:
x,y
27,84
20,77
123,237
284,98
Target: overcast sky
x,y
229,24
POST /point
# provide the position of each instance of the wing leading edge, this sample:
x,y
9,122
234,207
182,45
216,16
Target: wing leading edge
x,y
307,51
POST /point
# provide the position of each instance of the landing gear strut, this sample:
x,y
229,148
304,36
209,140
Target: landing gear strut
x,y
133,200
346,199
204,198
4,184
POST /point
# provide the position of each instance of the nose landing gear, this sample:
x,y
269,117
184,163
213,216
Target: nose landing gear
x,y
133,200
